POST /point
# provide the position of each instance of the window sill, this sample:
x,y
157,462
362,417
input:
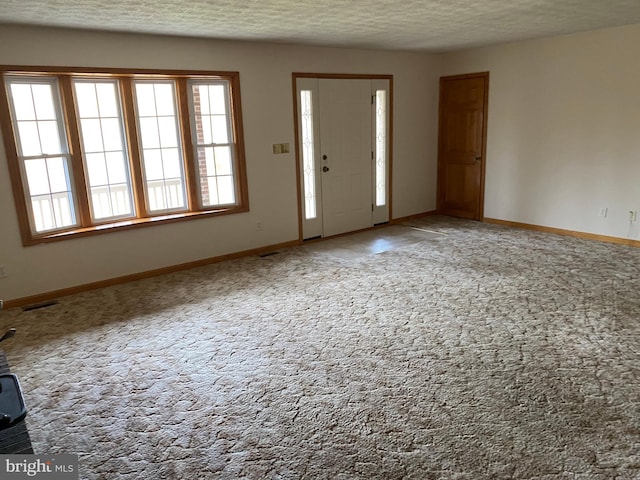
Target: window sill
x,y
129,225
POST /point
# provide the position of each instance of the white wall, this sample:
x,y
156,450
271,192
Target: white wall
x,y
267,104
564,129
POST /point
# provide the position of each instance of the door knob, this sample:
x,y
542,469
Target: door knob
x,y
478,157
325,169
324,157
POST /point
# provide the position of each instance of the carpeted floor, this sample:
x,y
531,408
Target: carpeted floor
x,y
455,350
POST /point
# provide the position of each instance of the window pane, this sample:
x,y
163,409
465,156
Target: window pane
x,y
174,194
165,194
49,137
43,101
35,101
225,190
145,98
153,164
58,180
208,166
212,189
107,100
149,132
100,202
159,128
86,100
171,163
216,184
37,138
50,193
37,176
223,161
201,98
219,127
111,201
62,209
164,99
117,167
97,169
91,135
217,99
42,208
23,101
112,134
155,192
120,200
29,138
211,121
167,130
206,138
102,132
35,105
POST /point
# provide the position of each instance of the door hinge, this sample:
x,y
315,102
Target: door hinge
x,y
372,207
373,99
371,155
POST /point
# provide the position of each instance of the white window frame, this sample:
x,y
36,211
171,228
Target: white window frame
x,y
125,148
183,181
231,143
22,159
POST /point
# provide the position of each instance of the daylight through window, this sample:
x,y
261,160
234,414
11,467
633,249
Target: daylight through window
x,y
91,151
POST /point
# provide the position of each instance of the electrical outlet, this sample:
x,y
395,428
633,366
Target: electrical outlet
x,y
603,212
3,272
633,215
259,226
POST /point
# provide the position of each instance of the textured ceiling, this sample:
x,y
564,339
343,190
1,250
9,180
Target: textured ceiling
x,y
428,25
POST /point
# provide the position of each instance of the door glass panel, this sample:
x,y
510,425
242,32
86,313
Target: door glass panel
x,y
381,148
308,155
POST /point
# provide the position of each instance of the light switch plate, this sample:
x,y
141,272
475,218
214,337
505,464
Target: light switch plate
x,y
279,148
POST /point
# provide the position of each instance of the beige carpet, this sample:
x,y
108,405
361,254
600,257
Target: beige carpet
x,y
458,350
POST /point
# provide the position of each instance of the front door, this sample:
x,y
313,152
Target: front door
x,y
462,145
343,147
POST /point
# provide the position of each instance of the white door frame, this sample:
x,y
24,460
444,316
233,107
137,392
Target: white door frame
x,y
310,226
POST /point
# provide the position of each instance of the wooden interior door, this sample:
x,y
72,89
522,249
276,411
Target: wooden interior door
x,y
462,145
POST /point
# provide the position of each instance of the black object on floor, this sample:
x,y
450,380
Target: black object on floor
x,y
12,408
14,439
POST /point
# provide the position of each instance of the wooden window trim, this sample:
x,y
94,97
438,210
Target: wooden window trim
x,y
143,218
185,136
70,119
